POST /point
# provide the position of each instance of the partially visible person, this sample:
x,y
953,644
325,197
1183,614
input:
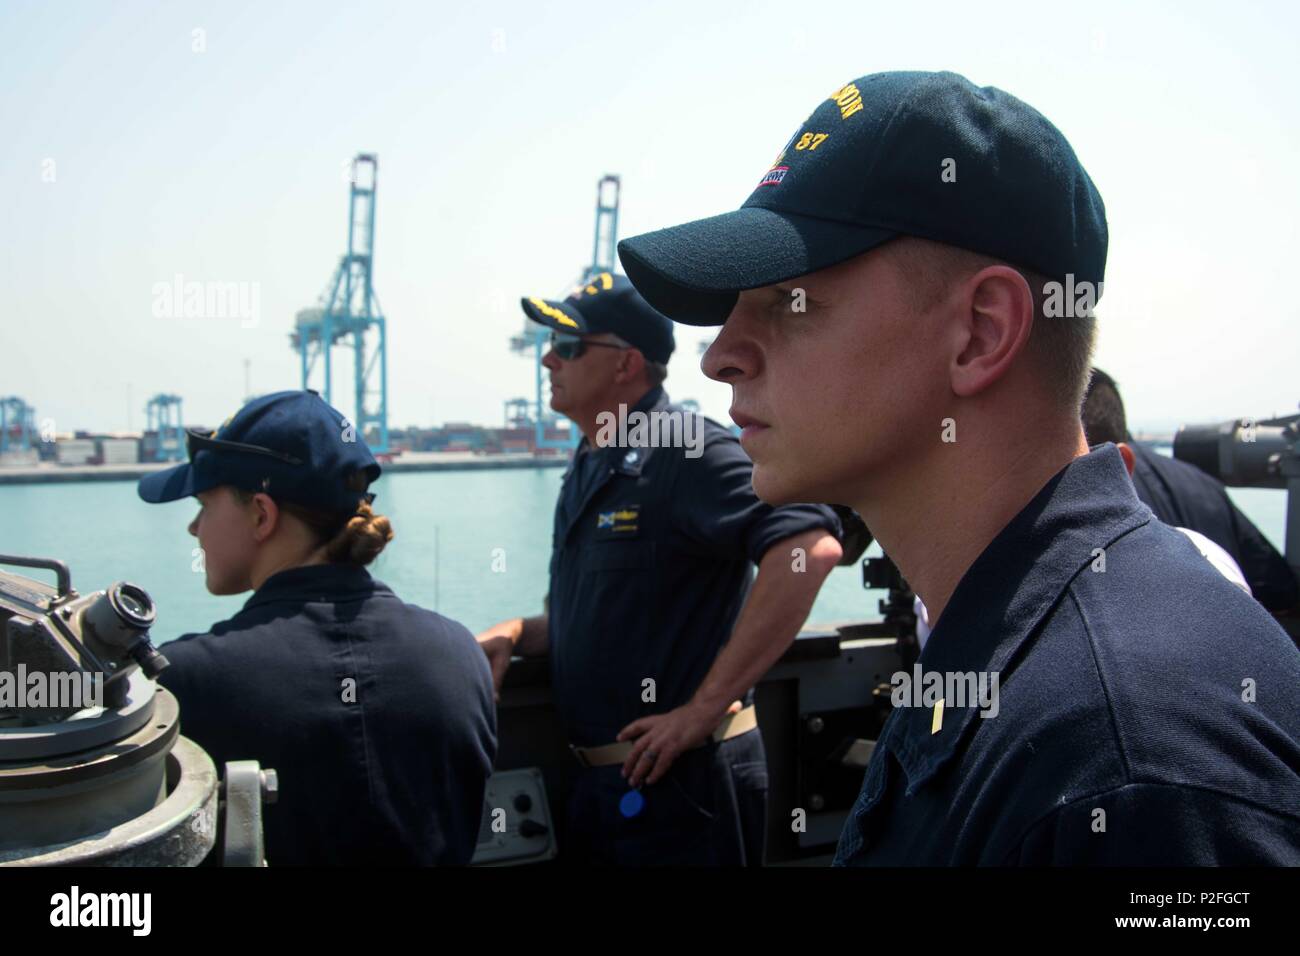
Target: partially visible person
x,y
656,626
1184,496
377,715
1220,559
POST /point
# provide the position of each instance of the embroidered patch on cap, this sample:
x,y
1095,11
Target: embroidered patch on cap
x,y
553,313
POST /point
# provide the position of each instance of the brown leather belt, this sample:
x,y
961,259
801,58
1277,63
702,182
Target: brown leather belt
x,y
733,725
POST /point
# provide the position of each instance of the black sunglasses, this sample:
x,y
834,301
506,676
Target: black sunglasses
x,y
570,347
196,441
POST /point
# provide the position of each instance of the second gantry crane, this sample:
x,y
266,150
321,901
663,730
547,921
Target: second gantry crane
x,y
604,258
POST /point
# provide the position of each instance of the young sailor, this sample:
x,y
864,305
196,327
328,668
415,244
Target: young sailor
x,y
895,339
377,715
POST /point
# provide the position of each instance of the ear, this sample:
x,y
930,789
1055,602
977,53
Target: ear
x,y
631,363
1126,453
995,315
265,516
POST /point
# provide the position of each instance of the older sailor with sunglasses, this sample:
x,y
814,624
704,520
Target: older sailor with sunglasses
x,y
654,635
376,714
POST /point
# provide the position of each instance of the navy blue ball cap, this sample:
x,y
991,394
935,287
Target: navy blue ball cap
x,y
929,155
292,445
607,303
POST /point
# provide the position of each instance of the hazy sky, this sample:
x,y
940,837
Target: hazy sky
x,y
128,157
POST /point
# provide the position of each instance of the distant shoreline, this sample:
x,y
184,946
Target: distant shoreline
x,y
411,461
52,474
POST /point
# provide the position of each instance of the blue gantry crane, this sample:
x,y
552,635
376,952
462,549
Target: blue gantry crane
x,y
604,251
164,419
604,258
348,312
17,425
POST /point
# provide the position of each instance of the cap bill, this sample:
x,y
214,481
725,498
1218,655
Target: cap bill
x,y
692,273
172,484
556,315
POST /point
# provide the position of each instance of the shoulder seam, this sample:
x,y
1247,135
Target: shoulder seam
x,y
1101,681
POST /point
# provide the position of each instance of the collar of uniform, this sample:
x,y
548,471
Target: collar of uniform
x,y
651,400
623,460
630,461
314,582
1010,589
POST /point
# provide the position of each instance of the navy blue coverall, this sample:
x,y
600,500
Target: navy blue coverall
x,y
377,716
1148,710
652,559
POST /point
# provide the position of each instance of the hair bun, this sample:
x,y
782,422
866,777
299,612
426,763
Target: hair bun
x,y
363,538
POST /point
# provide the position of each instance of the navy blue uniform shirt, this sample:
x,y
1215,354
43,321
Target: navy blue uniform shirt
x,y
1148,713
1186,497
651,561
391,772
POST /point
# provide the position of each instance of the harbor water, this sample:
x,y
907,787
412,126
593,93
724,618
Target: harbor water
x,y
473,545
